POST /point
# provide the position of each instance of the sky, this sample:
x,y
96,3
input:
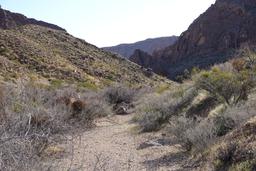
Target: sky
x,y
112,22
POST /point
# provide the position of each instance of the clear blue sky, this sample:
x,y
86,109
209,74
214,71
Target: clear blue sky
x,y
111,22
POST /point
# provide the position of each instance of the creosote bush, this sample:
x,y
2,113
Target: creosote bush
x,y
227,87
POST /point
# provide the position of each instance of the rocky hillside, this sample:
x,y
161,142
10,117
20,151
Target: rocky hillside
x,y
10,20
148,45
43,51
226,26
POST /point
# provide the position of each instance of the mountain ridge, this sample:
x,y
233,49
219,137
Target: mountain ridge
x,y
148,45
10,20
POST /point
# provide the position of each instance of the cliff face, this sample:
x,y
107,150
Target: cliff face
x,y
226,26
9,20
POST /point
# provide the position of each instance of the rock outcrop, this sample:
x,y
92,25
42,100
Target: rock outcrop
x,y
9,20
226,26
148,61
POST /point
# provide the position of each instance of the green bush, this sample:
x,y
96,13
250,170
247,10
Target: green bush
x,y
227,87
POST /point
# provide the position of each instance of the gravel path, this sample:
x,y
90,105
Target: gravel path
x,y
113,146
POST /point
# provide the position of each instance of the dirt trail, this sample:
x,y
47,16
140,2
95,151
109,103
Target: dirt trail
x,y
113,146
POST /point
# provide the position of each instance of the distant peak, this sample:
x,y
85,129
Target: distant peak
x,y
9,20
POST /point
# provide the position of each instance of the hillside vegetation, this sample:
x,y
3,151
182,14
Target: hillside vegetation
x,y
55,56
211,114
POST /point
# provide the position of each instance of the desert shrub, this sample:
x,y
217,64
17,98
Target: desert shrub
x,y
154,111
187,74
193,133
249,165
162,88
121,98
195,70
237,152
234,116
202,134
199,133
224,67
153,120
178,127
239,64
223,125
224,156
202,108
232,157
227,87
91,107
119,94
249,55
98,108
